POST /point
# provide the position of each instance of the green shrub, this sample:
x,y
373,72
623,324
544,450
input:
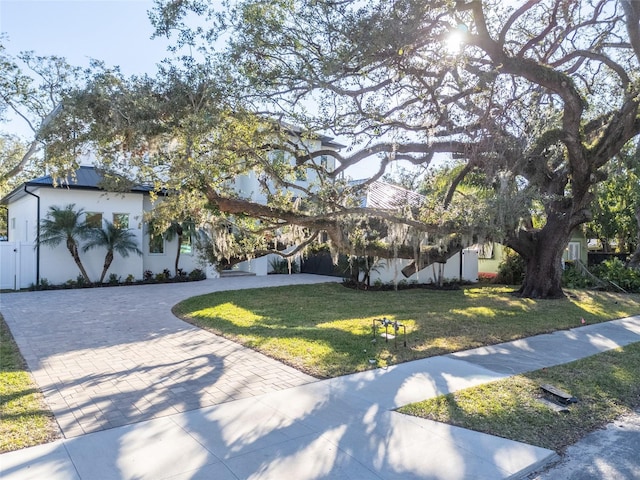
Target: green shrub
x,y
281,266
615,271
130,279
511,269
315,248
163,276
114,279
197,274
573,278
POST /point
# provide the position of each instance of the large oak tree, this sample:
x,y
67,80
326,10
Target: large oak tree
x,y
537,94
534,96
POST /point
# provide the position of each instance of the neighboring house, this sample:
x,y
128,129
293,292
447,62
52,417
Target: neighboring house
x,y
24,264
388,196
577,248
491,254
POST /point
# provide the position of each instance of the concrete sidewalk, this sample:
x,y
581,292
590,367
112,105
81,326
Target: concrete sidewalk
x,y
343,428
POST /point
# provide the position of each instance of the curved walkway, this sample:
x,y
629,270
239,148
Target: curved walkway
x,y
106,357
117,356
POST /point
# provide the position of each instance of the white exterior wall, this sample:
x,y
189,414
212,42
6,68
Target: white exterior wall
x,y
56,264
157,262
257,266
23,219
262,266
390,271
248,187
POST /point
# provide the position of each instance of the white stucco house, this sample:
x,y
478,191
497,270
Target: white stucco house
x,y
23,263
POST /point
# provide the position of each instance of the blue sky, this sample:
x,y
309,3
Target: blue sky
x,y
115,31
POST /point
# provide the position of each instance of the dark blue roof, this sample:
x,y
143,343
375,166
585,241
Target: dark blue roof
x,y
85,178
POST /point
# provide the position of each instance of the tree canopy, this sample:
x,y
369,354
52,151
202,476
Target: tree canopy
x,y
535,98
31,92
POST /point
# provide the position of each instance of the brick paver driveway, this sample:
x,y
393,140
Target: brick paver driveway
x,y
107,357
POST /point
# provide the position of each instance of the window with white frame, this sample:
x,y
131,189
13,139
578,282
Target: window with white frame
x,y
93,219
121,220
186,247
573,251
156,244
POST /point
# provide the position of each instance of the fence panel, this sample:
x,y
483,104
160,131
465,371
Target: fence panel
x,y
17,265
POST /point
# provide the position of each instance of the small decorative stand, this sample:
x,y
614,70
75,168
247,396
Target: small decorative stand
x,y
386,323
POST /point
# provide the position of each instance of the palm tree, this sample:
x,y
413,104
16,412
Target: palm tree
x,y
180,230
114,239
64,225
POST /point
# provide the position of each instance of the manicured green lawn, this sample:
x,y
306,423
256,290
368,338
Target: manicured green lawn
x,y
607,385
326,330
24,419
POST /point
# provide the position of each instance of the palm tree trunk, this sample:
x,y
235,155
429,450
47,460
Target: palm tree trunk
x,y
108,258
178,255
73,250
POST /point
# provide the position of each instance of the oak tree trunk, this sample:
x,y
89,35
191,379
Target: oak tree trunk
x,y
542,252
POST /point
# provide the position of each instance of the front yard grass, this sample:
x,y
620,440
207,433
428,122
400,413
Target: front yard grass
x,y
606,385
326,330
24,419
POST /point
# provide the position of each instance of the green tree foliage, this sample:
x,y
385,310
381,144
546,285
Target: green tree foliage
x,y
31,92
65,225
539,97
12,151
114,239
536,98
617,203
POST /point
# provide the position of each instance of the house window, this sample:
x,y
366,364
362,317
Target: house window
x,y
186,247
156,244
121,220
573,251
93,219
324,161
